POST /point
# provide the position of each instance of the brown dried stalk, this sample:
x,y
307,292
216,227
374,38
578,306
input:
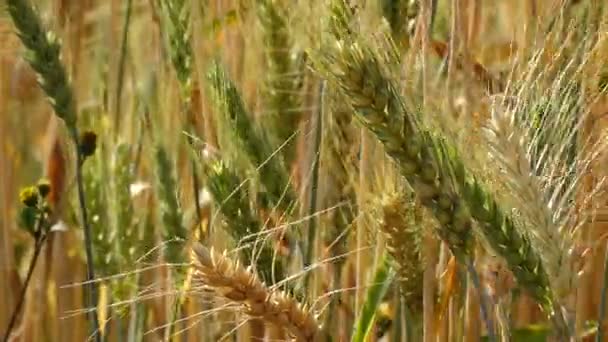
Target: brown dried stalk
x,y
241,285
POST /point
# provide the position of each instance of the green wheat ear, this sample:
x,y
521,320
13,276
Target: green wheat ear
x,y
43,55
180,49
129,246
284,76
401,222
103,234
170,212
440,181
252,140
232,196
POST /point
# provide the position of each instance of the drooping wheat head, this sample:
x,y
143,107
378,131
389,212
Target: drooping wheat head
x,y
240,285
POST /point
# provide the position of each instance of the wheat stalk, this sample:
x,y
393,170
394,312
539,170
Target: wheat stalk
x,y
240,285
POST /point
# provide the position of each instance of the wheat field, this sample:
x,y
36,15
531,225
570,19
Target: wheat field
x,y
303,170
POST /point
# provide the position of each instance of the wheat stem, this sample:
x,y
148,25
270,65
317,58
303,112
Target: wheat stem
x,y
30,271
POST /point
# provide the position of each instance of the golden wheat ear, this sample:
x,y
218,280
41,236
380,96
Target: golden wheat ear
x,y
238,284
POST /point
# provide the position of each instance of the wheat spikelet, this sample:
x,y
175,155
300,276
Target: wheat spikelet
x,y
44,57
249,137
401,216
175,234
103,234
240,285
338,161
283,76
510,145
230,191
178,17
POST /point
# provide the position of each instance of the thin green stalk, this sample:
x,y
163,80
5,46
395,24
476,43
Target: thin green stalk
x,y
88,242
121,65
383,278
484,301
21,298
314,183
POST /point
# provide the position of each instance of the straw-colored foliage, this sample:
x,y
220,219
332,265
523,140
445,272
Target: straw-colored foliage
x,y
403,170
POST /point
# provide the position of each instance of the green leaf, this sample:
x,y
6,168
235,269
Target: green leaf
x,y
382,280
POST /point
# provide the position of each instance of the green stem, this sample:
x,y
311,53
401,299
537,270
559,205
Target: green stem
x,y
88,243
28,277
484,300
121,65
312,207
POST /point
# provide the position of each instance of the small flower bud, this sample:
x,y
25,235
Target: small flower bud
x,y
88,143
44,188
29,196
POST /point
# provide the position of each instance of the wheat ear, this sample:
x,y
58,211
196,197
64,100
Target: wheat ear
x,y
434,171
238,284
401,223
284,75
